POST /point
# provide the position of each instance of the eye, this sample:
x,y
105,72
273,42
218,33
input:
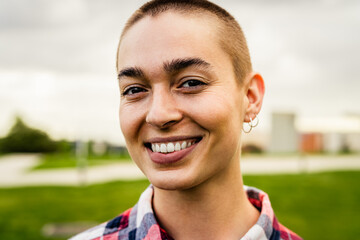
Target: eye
x,y
133,90
192,83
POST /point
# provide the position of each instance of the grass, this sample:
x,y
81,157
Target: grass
x,y
24,211
316,206
69,160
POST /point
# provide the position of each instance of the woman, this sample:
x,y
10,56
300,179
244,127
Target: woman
x,y
187,87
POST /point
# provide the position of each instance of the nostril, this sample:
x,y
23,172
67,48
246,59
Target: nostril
x,y
168,124
164,122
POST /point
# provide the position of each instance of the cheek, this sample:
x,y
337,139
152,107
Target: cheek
x,y
130,121
214,112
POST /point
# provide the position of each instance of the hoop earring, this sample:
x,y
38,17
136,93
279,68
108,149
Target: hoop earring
x,y
247,131
252,122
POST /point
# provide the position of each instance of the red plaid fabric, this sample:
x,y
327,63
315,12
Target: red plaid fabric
x,y
139,223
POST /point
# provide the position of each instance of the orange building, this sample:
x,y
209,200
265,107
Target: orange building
x,y
311,143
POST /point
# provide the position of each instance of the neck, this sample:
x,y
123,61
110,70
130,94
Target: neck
x,y
215,209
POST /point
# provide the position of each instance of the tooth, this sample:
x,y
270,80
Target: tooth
x,y
157,146
153,147
189,144
170,147
177,147
163,148
183,145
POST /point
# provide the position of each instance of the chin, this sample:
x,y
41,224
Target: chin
x,y
172,183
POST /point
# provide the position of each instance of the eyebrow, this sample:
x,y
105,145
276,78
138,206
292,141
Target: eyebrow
x,y
170,67
182,63
133,72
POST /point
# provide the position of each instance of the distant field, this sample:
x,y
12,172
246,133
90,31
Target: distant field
x,y
68,160
316,206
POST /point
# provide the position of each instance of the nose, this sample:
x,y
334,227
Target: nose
x,y
163,111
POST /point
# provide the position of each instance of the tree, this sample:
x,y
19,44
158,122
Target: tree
x,y
22,138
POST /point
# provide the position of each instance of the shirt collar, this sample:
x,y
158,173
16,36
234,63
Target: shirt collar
x,y
148,228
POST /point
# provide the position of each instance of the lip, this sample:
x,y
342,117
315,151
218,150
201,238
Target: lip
x,y
170,158
172,139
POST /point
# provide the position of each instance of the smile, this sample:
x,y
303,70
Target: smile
x,y
170,150
169,147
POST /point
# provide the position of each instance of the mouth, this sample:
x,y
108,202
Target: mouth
x,y
170,146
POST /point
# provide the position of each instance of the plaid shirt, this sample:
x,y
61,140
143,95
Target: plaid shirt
x,y
139,223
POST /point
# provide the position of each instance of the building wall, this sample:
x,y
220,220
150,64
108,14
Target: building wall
x,y
284,136
311,143
353,142
333,142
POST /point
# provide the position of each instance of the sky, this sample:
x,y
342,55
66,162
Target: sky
x,y
57,61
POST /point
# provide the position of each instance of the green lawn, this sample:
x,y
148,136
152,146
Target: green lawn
x,y
316,206
69,160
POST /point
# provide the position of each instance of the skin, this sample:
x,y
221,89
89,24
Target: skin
x,y
203,101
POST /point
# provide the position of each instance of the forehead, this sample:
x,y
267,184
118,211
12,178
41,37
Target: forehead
x,y
170,35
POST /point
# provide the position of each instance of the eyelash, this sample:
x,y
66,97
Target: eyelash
x,y
198,83
137,89
192,83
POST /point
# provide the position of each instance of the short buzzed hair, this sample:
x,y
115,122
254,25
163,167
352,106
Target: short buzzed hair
x,y
231,37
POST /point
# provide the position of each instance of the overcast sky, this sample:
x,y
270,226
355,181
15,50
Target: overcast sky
x,y
57,60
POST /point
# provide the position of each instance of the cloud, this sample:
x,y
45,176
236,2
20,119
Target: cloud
x,y
58,58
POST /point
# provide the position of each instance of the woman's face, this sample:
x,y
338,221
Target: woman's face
x,y
181,108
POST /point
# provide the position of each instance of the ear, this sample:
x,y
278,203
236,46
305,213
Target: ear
x,y
255,95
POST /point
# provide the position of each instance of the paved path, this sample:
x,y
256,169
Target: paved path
x,y
299,164
14,169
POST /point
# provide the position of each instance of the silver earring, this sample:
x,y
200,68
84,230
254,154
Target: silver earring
x,y
251,124
254,122
249,130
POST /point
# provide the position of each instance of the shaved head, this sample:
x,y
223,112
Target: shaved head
x,y
230,35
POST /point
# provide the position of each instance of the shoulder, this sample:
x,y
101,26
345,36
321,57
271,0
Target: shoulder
x,y
111,229
267,224
138,221
287,234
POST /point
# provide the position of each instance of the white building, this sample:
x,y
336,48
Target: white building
x,y
339,133
284,136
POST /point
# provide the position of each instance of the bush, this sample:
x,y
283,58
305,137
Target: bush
x,y
22,138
